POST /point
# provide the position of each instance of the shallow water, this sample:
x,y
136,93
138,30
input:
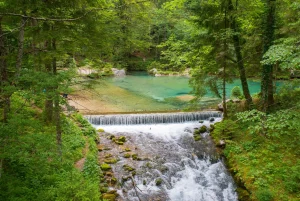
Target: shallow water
x,y
188,169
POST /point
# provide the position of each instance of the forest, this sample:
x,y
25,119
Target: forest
x,y
43,43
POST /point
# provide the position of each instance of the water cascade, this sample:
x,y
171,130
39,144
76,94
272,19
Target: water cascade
x,y
187,170
153,118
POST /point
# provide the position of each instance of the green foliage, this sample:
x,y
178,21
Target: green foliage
x,y
226,129
236,92
264,195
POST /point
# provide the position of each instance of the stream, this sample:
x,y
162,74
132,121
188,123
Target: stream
x,y
169,165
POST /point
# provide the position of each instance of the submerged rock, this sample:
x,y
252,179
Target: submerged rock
x,y
158,182
118,73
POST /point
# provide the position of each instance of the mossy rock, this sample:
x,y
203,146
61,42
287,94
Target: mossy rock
x,y
127,155
128,168
113,180
122,139
100,147
144,182
197,137
201,121
212,127
109,197
158,182
103,189
111,137
105,167
124,179
119,142
243,194
108,155
203,129
134,156
109,174
110,161
101,130
127,149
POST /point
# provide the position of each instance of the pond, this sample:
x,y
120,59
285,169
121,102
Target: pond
x,y
140,92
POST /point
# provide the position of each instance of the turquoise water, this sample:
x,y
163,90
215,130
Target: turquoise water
x,y
160,88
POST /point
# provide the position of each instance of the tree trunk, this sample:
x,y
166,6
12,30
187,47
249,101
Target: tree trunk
x,y
225,115
239,57
20,48
57,107
5,96
267,71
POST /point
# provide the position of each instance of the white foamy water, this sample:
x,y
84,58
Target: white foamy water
x,y
189,174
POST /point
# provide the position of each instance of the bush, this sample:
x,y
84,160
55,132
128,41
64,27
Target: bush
x,y
264,195
236,92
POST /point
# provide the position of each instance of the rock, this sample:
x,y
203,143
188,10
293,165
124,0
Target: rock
x,y
108,155
109,197
109,174
144,182
105,167
201,121
103,189
220,107
212,119
128,168
158,182
100,147
113,180
203,129
112,192
111,137
110,161
119,142
197,137
127,155
153,71
134,156
122,138
127,149
236,100
100,130
118,73
221,144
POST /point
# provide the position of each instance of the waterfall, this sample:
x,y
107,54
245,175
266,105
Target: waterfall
x,y
154,118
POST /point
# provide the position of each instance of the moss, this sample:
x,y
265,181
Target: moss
x,y
110,161
203,129
127,149
197,137
128,168
134,156
105,167
109,197
158,182
100,130
113,180
103,189
108,155
119,142
127,155
122,139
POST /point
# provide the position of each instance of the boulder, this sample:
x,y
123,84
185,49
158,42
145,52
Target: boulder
x,y
105,167
118,73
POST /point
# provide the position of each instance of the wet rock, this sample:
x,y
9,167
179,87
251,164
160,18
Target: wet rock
x,y
109,174
108,156
103,189
100,130
201,121
109,197
122,138
119,142
197,137
118,73
128,168
134,157
111,137
212,119
100,147
127,155
127,149
110,161
203,129
158,182
105,167
113,180
144,182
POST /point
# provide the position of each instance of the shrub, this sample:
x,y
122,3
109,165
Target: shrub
x,y
236,92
